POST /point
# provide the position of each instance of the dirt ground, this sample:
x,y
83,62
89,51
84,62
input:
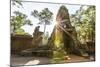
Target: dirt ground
x,y
18,61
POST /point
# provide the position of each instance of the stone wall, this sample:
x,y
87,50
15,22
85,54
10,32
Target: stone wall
x,y
21,42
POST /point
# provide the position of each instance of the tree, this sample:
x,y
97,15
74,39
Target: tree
x,y
16,2
45,17
19,20
84,22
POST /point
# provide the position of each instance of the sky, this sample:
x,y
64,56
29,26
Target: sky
x,y
28,7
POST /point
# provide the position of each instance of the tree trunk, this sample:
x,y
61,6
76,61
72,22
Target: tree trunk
x,y
44,33
44,27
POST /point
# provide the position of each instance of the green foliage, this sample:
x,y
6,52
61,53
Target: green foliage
x,y
84,22
45,16
21,32
15,2
58,56
19,20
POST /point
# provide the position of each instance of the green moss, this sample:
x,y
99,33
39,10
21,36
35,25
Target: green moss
x,y
58,56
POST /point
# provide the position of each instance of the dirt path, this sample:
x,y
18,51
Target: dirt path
x,y
17,60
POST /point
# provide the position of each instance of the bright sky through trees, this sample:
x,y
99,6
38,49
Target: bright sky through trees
x,y
28,7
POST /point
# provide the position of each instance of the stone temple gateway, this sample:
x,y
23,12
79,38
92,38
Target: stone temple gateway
x,y
64,37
